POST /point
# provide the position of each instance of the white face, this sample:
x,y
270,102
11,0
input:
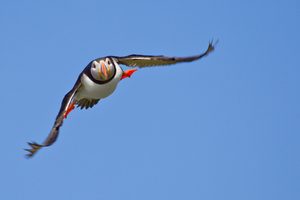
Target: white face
x,y
102,70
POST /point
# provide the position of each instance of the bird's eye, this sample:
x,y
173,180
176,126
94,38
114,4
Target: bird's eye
x,y
108,62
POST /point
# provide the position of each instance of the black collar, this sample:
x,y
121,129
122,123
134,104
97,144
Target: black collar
x,y
87,71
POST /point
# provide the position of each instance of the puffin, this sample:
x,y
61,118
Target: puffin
x,y
99,79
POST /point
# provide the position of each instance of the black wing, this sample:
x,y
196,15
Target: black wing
x,y
140,61
67,100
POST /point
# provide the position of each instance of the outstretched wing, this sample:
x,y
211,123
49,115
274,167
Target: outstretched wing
x,y
66,102
140,61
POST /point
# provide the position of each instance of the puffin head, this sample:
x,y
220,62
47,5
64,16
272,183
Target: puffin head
x,y
102,70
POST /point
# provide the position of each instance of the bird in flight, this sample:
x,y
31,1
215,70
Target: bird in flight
x,y
99,79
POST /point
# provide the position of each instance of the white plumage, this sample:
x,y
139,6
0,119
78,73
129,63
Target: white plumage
x,y
92,90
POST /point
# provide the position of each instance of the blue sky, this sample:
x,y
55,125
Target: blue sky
x,y
225,127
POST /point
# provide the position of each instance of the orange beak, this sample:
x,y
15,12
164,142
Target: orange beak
x,y
103,71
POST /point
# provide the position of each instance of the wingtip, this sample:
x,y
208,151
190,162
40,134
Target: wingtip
x,y
212,45
28,155
34,148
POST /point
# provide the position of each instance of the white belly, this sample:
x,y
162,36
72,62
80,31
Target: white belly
x,y
93,90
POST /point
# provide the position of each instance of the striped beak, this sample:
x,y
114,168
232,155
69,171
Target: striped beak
x,y
102,71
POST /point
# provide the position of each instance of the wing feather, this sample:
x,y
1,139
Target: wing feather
x,y
141,61
67,100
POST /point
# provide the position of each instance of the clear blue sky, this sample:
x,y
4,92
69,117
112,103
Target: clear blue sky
x,y
225,127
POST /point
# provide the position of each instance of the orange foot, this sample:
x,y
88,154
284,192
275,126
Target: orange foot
x,y
69,109
128,73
